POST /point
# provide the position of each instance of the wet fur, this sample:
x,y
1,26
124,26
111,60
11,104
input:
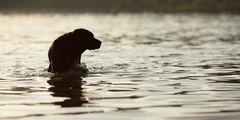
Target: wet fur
x,y
65,52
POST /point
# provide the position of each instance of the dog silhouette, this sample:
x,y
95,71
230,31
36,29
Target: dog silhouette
x,y
65,52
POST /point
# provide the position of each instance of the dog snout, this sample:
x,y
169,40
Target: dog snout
x,y
99,44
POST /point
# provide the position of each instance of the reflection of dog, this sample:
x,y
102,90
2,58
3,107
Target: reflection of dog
x,y
65,52
68,87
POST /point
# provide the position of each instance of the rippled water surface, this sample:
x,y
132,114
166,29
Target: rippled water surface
x,y
150,67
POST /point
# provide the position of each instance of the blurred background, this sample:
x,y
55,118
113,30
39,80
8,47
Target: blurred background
x,y
159,60
113,6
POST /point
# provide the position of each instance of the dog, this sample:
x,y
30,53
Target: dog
x,y
65,52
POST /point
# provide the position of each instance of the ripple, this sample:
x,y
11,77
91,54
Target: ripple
x,y
227,80
225,73
187,71
172,55
119,97
53,114
121,90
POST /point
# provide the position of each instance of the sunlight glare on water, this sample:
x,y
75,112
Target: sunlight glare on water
x,y
150,66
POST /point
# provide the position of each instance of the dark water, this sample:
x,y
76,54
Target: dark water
x,y
150,66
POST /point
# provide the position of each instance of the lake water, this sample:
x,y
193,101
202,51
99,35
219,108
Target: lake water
x,y
150,67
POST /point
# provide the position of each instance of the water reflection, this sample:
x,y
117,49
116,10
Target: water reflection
x,y
70,88
160,70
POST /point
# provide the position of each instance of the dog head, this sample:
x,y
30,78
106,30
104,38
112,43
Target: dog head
x,y
86,39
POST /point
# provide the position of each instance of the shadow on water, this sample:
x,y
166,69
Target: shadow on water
x,y
67,86
70,87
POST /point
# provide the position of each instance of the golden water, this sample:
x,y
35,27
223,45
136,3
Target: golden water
x,y
150,67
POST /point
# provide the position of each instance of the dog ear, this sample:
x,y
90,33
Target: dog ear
x,y
82,33
75,34
79,32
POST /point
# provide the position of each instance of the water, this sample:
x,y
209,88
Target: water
x,y
150,66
